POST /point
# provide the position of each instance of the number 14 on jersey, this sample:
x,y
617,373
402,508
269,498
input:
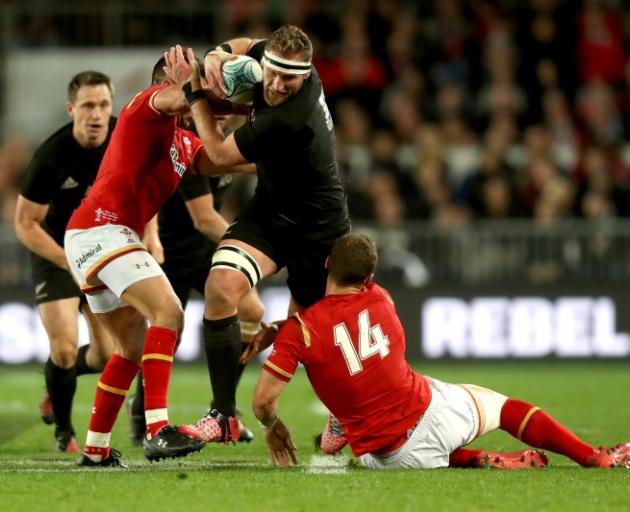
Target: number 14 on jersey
x,y
371,341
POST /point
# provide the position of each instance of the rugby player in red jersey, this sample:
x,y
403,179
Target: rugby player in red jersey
x,y
125,286
352,346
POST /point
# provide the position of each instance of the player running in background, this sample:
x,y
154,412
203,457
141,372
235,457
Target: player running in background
x,y
190,227
60,173
125,286
299,206
352,346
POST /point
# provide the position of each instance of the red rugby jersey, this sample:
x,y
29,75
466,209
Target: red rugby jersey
x,y
145,160
353,349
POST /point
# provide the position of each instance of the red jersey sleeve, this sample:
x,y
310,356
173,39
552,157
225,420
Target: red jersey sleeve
x,y
195,146
285,356
141,105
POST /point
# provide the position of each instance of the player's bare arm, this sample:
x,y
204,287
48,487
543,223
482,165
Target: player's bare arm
x,y
28,218
151,240
221,152
262,340
282,450
170,101
215,59
205,218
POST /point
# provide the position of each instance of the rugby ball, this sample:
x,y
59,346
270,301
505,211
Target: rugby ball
x,y
240,75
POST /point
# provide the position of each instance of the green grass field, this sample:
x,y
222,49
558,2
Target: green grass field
x,y
590,397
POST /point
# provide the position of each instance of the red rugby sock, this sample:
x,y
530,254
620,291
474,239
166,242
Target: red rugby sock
x,y
111,390
535,427
157,362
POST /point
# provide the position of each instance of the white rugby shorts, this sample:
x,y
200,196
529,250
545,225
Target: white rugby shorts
x,y
105,261
450,421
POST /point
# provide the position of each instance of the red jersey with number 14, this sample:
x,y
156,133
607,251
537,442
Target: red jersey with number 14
x,y
353,349
145,160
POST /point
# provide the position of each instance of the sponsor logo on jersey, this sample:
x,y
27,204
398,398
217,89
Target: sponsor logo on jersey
x,y
69,183
81,260
105,216
178,167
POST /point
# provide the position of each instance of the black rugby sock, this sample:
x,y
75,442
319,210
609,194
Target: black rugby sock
x,y
61,384
239,372
137,406
81,366
241,366
222,339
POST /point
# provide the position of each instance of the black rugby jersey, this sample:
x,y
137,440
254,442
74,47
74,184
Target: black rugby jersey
x,y
293,146
181,241
60,174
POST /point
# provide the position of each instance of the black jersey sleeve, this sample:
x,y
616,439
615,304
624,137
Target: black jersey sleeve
x,y
191,187
40,180
257,51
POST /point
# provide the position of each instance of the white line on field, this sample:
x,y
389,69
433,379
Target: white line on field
x,y
328,464
43,466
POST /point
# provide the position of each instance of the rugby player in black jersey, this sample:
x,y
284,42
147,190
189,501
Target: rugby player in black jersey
x,y
299,207
59,175
188,229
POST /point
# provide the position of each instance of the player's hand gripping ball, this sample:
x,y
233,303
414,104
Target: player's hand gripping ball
x,y
240,76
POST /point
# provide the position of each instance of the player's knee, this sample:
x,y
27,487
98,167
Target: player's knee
x,y
489,404
170,315
98,358
63,353
252,313
222,295
234,272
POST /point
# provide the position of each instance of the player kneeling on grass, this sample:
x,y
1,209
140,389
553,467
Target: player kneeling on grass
x,y
352,345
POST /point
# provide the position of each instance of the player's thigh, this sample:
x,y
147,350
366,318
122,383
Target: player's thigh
x,y
60,320
236,268
488,404
258,238
155,299
448,423
51,282
307,272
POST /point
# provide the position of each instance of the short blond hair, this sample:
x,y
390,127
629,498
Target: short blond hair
x,y
289,41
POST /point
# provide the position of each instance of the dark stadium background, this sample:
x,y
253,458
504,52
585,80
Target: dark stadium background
x,y
484,144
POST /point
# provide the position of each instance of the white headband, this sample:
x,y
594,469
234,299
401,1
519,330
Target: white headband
x,y
289,67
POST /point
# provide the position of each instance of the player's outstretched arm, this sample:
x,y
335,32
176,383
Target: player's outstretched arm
x,y
262,340
282,450
205,218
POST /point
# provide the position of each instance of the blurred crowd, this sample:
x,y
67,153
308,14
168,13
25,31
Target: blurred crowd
x,y
449,110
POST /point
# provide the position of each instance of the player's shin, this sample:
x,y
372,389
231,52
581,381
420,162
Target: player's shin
x,y
61,384
535,427
222,341
157,362
110,395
